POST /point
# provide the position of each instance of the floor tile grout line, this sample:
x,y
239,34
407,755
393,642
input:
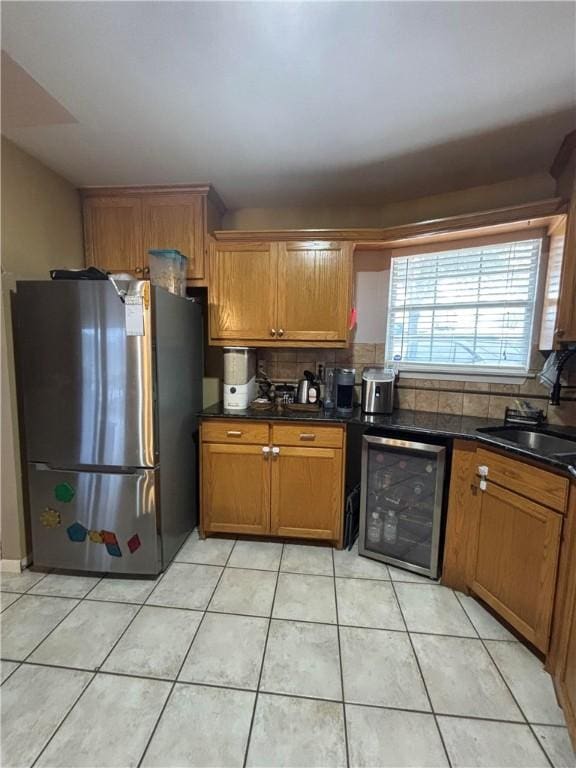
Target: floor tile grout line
x,y
202,684
95,671
63,720
428,696
9,675
185,657
346,745
520,708
481,637
259,682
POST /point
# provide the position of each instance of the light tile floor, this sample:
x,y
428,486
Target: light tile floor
x,y
263,654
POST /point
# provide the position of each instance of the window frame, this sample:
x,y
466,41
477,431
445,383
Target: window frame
x,y
472,372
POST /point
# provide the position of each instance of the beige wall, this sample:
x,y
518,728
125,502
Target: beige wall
x,y
41,229
513,192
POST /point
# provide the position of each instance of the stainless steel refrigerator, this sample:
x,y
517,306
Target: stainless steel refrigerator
x,y
110,382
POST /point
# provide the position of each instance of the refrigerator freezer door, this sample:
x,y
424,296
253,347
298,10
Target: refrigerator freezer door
x,y
86,385
94,521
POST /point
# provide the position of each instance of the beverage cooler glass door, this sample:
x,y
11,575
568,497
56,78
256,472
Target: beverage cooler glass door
x,y
401,503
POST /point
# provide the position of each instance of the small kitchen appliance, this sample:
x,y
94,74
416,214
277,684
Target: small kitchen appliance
x,y
344,389
308,389
239,377
378,389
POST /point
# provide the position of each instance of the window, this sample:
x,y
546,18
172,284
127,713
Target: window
x,y
468,310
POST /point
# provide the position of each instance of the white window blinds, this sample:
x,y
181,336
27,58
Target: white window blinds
x,y
469,309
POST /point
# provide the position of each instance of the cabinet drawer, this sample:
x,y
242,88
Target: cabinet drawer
x,y
307,435
226,431
536,484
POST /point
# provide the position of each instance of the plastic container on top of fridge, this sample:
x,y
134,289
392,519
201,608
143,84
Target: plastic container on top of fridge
x,y
168,270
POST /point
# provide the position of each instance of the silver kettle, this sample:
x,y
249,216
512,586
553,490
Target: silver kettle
x,y
308,391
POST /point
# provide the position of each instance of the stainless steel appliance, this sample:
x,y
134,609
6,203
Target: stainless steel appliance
x,y
378,389
308,391
110,383
344,379
402,500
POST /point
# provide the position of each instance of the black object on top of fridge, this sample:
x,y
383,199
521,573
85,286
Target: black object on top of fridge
x,y
110,378
403,497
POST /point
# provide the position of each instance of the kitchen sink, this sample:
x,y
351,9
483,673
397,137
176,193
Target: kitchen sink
x,y
536,440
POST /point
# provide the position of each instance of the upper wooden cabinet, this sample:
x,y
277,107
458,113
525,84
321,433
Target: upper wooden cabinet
x,y
566,318
122,224
313,291
285,294
242,292
176,221
113,233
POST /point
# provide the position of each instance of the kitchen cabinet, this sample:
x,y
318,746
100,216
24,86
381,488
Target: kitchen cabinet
x,y
280,293
235,489
503,542
306,499
514,571
113,233
566,317
121,224
242,293
274,480
561,662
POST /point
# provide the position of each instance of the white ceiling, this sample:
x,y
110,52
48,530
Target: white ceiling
x,y
290,103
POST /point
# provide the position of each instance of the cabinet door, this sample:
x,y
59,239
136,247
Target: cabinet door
x,y
235,489
176,221
306,497
314,291
566,320
516,561
242,292
113,233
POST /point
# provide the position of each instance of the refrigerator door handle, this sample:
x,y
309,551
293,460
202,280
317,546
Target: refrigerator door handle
x,y
45,467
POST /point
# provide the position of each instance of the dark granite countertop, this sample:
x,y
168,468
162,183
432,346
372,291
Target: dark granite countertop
x,y
440,424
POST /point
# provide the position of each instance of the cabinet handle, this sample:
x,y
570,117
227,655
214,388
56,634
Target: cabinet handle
x,y
272,331
234,433
281,332
266,451
483,474
307,436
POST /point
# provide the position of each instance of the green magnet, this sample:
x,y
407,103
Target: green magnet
x,y
64,492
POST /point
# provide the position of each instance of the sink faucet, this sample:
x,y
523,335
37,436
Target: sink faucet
x,y
563,358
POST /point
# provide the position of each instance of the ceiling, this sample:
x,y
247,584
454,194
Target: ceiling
x,y
281,103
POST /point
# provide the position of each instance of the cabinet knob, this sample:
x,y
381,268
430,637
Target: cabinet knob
x,y
138,270
560,332
275,451
272,331
266,451
146,270
281,332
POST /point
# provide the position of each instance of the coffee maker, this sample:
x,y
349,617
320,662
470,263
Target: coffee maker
x,y
344,379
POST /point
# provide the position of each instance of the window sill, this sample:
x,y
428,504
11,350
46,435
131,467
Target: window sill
x,y
485,377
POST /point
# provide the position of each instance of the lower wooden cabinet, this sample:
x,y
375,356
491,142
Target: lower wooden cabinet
x,y
503,541
235,489
266,488
306,498
516,561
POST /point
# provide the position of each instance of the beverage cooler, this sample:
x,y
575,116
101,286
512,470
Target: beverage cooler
x,y
402,501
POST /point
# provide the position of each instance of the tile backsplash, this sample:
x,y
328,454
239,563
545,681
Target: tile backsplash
x,y
458,397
